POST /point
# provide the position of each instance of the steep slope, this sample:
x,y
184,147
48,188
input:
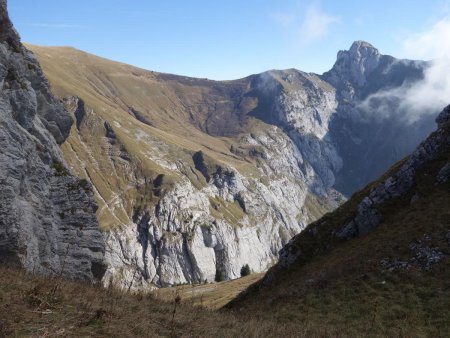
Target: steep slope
x,y
185,191
196,178
47,216
380,263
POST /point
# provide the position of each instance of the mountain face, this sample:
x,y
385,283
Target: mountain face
x,y
47,216
367,142
184,194
383,257
196,178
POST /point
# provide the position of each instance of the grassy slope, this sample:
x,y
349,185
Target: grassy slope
x,y
341,284
183,115
212,296
111,88
34,306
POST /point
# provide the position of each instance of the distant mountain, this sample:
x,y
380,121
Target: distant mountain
x,y
367,142
380,263
197,178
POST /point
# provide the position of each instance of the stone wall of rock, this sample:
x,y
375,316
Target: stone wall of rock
x,y
47,216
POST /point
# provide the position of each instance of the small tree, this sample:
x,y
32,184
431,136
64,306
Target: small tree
x,y
219,276
245,270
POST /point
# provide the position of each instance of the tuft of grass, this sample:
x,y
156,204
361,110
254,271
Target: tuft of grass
x,y
60,169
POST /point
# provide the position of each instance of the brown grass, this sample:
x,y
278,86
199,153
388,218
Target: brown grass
x,y
211,295
32,306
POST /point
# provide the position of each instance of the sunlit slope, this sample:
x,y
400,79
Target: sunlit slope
x,y
153,123
149,113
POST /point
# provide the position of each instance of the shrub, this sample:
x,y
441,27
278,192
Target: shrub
x,y
60,169
219,276
245,270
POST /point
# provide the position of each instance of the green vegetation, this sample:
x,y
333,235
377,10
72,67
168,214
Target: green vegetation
x,y
60,169
219,276
245,270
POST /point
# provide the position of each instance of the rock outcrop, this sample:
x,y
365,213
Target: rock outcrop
x,y
370,139
47,216
399,183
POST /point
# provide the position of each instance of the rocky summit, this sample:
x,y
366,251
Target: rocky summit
x,y
47,216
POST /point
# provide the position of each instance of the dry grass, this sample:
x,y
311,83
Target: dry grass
x,y
212,295
32,306
342,284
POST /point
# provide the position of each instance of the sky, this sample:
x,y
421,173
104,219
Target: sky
x,y
229,39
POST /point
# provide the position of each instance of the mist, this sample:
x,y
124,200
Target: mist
x,y
412,101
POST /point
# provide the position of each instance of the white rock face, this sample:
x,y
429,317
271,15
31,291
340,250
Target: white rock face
x,y
188,237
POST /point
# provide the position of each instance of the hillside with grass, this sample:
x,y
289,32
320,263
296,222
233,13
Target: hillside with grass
x,y
379,264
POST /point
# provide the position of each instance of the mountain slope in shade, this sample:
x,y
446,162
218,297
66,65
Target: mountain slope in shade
x,y
380,263
196,178
47,216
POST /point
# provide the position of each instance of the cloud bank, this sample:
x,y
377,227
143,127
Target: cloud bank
x,y
429,95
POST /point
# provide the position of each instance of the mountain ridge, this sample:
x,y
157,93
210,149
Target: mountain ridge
x,y
249,130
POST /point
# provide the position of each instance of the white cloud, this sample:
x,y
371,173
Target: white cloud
x,y
431,44
316,23
309,25
432,93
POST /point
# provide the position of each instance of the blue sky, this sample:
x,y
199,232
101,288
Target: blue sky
x,y
227,39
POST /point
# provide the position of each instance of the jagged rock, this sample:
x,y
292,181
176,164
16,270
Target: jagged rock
x,y
185,242
423,257
400,182
444,174
367,217
444,117
47,216
355,65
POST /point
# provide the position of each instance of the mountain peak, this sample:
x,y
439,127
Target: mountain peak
x,y
355,64
7,31
359,50
360,44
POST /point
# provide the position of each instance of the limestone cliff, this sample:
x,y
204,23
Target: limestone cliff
x,y
47,216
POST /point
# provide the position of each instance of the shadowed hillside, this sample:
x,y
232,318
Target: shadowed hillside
x,y
380,263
